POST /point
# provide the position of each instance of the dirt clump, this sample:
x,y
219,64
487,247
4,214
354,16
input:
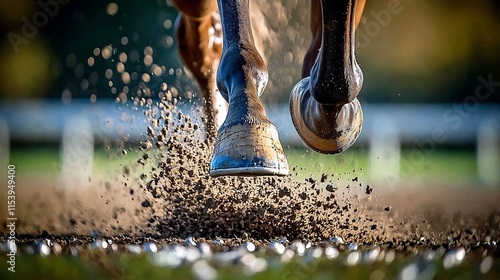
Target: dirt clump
x,y
187,202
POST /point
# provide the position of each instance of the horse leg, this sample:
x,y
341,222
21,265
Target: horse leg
x,y
324,107
317,33
199,38
247,142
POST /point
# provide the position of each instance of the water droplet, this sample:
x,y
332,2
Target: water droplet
x,y
134,249
204,249
150,247
203,271
277,247
73,251
353,258
42,248
57,248
453,257
229,257
299,247
283,240
190,241
429,255
287,256
372,254
410,272
486,265
313,254
166,258
192,254
219,242
389,256
253,264
331,252
99,244
249,246
337,240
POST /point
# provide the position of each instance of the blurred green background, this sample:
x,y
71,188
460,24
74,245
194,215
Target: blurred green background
x,y
429,51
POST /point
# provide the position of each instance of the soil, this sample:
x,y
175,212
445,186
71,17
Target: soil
x,y
167,196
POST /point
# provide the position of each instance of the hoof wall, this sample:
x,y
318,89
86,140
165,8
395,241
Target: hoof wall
x,y
326,129
248,150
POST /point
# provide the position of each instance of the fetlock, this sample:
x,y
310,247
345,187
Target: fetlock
x,y
242,66
242,76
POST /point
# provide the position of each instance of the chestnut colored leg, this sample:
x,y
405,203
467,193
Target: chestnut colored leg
x,y
199,37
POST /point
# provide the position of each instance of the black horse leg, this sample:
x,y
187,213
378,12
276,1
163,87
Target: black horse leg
x,y
324,107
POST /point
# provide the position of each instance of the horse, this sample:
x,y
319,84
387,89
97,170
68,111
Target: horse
x,y
216,44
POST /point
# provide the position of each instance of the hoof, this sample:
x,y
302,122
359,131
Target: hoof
x,y
248,150
327,129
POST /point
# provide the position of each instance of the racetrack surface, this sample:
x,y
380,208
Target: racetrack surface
x,y
167,195
166,201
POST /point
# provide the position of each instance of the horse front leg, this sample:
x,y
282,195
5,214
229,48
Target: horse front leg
x,y
247,142
324,107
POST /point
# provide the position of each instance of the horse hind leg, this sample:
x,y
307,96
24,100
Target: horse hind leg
x,y
247,143
199,38
323,105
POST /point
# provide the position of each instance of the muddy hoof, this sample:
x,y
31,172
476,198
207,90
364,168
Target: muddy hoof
x,y
248,150
327,129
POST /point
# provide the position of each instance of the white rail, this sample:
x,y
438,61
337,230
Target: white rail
x,y
385,151
488,152
77,153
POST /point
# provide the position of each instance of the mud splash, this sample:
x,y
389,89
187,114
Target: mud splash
x,y
167,195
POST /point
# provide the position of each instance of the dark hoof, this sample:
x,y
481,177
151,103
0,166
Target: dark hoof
x,y
327,129
248,150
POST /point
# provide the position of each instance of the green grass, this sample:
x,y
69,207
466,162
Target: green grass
x,y
445,166
46,162
449,166
97,265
